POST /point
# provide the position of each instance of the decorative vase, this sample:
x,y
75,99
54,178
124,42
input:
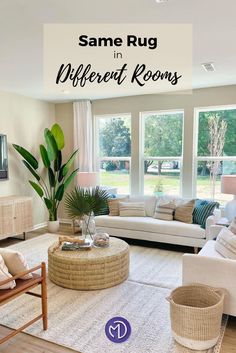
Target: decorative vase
x,y
88,226
53,226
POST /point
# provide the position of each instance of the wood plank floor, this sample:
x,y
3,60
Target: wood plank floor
x,y
23,343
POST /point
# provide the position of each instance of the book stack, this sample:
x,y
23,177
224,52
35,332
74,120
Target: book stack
x,y
70,246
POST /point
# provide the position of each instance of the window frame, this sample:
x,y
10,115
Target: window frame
x,y
169,158
97,158
197,158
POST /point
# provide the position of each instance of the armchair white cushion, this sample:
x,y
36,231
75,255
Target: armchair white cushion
x,y
210,268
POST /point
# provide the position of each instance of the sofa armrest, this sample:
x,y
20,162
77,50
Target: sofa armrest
x,y
212,271
211,221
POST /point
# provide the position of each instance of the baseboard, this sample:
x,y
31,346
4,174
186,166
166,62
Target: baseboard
x,y
39,225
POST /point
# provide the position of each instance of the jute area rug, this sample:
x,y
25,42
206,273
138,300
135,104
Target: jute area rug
x,y
77,318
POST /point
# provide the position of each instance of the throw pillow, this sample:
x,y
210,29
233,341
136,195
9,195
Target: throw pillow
x,y
232,226
4,274
105,210
226,244
132,209
15,262
202,210
184,211
113,205
164,210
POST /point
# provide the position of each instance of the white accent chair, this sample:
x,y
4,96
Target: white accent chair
x,y
210,268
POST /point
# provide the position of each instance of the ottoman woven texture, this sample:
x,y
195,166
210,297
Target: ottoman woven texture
x,y
89,270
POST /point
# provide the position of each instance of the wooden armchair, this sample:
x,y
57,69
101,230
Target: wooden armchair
x,y
24,287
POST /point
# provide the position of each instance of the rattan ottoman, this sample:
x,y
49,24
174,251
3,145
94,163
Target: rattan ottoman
x,y
92,269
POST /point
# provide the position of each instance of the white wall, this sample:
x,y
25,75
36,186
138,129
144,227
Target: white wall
x,y
23,120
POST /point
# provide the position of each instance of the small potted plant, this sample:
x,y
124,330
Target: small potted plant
x,y
158,189
83,204
52,188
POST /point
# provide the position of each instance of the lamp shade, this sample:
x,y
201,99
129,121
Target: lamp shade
x,y
88,179
228,184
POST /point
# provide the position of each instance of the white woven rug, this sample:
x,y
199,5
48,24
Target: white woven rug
x,y
77,318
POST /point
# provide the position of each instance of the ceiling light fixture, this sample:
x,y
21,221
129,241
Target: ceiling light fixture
x,y
161,1
209,67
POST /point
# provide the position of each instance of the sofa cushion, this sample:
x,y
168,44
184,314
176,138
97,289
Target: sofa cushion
x,y
164,210
209,250
15,262
202,210
132,209
4,275
184,211
113,205
152,225
150,203
226,244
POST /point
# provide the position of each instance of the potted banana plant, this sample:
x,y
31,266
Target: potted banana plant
x,y
52,187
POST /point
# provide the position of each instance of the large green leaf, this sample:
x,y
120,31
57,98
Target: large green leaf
x,y
60,175
32,171
60,193
59,136
70,178
51,145
51,177
48,203
57,162
69,163
27,156
44,156
37,188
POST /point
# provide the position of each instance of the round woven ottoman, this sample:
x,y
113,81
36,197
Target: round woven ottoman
x,y
97,268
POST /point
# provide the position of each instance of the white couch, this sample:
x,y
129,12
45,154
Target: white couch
x,y
210,268
148,228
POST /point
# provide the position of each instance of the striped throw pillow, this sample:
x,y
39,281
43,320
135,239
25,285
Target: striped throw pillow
x,y
113,205
202,210
132,209
165,210
232,226
226,244
184,212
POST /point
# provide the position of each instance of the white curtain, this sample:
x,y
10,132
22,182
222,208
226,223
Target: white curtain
x,y
83,135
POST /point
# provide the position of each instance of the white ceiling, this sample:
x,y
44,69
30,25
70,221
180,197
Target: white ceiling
x,y
21,36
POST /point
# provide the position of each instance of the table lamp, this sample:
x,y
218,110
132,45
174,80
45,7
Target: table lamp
x,y
88,179
228,186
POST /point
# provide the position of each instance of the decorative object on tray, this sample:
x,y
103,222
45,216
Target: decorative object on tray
x,y
67,246
101,240
50,192
85,203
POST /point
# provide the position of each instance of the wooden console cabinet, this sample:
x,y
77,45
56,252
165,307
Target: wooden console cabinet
x,y
15,216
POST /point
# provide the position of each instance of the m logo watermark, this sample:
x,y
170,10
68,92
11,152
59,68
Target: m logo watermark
x,y
118,329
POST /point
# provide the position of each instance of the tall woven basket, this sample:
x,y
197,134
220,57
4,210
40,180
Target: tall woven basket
x,y
196,314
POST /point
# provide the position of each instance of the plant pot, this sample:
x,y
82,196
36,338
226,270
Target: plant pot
x,y
53,226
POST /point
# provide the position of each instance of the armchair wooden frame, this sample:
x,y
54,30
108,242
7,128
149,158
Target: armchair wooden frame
x,y
24,287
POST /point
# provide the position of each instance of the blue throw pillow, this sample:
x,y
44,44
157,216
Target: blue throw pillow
x,y
202,210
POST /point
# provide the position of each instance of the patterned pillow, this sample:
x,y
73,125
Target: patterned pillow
x,y
184,211
226,244
202,210
132,209
113,205
164,210
232,226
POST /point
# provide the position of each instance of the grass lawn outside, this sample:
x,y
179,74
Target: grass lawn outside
x,y
171,184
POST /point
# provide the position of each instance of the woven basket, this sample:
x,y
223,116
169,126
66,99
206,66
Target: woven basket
x,y
196,314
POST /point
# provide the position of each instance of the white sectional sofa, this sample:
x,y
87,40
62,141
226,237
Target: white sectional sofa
x,y
211,268
151,229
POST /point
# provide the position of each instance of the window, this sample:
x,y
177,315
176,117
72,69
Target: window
x,y
216,150
163,145
114,145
